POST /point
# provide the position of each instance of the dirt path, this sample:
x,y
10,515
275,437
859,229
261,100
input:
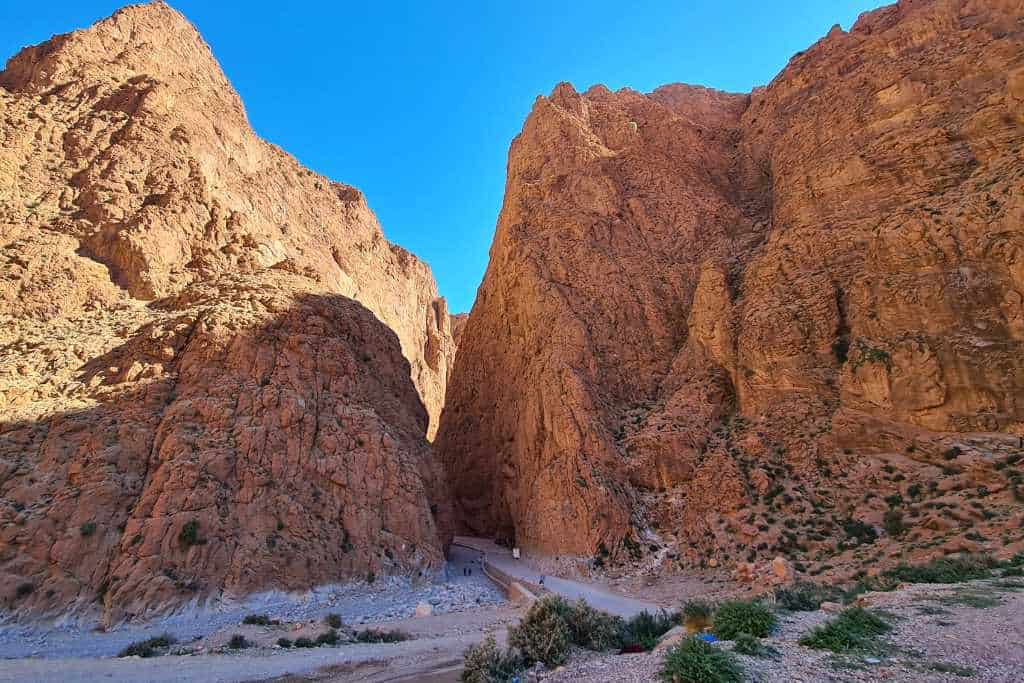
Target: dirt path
x,y
438,643
598,597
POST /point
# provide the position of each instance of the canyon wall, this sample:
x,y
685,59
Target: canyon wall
x,y
216,373
707,314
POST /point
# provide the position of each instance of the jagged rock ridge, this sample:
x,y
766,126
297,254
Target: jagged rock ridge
x,y
216,373
709,313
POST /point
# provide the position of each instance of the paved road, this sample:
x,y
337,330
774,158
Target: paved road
x,y
598,597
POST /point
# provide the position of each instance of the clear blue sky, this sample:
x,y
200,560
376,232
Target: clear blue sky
x,y
415,103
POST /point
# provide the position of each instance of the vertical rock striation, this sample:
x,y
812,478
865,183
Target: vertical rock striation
x,y
706,313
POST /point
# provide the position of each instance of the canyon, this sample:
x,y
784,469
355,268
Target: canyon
x,y
217,375
780,327
777,333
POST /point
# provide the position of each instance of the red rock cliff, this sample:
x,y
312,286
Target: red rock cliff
x,y
705,313
216,374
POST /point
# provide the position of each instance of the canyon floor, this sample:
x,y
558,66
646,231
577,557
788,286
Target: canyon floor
x,y
967,631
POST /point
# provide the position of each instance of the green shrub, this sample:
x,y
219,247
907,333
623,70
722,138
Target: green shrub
x,y
284,642
238,642
304,642
260,620
485,663
333,620
697,614
805,596
373,635
644,629
694,661
542,635
894,523
87,529
189,535
148,648
854,629
944,570
330,638
590,628
752,646
743,616
24,590
1014,571
863,533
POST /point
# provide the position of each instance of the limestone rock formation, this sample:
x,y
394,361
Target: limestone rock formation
x,y
216,374
706,313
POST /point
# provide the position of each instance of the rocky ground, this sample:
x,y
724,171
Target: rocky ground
x,y
204,629
971,631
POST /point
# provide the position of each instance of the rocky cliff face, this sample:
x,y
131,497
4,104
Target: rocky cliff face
x,y
216,374
706,314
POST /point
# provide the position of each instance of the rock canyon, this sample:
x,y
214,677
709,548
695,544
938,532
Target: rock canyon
x,y
720,329
780,333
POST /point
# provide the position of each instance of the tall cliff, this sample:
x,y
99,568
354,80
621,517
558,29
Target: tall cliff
x,y
706,314
216,373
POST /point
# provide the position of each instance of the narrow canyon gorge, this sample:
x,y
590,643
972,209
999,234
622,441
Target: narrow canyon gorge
x,y
716,329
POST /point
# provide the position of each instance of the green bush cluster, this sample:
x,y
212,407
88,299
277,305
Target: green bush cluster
x,y
148,648
944,570
260,620
805,596
734,617
854,629
373,635
694,660
487,663
551,626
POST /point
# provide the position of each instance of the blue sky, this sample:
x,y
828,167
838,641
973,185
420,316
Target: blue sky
x,y
416,103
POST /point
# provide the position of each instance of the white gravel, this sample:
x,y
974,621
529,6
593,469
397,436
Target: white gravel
x,y
387,599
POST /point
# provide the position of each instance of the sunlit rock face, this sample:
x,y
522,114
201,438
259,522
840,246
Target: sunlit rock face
x,y
707,314
216,373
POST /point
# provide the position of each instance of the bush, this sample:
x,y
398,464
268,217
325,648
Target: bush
x,y
693,660
329,638
304,642
24,590
751,646
697,614
644,630
894,523
148,648
1014,571
854,629
485,663
238,642
805,596
189,535
333,620
944,570
87,529
743,616
590,628
542,635
260,620
372,635
863,533
284,642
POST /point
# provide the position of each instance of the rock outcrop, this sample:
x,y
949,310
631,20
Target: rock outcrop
x,y
216,373
707,314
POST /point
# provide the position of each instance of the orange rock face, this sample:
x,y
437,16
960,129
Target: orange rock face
x,y
216,374
707,313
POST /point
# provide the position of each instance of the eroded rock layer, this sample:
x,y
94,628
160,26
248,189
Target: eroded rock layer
x,y
707,314
216,373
